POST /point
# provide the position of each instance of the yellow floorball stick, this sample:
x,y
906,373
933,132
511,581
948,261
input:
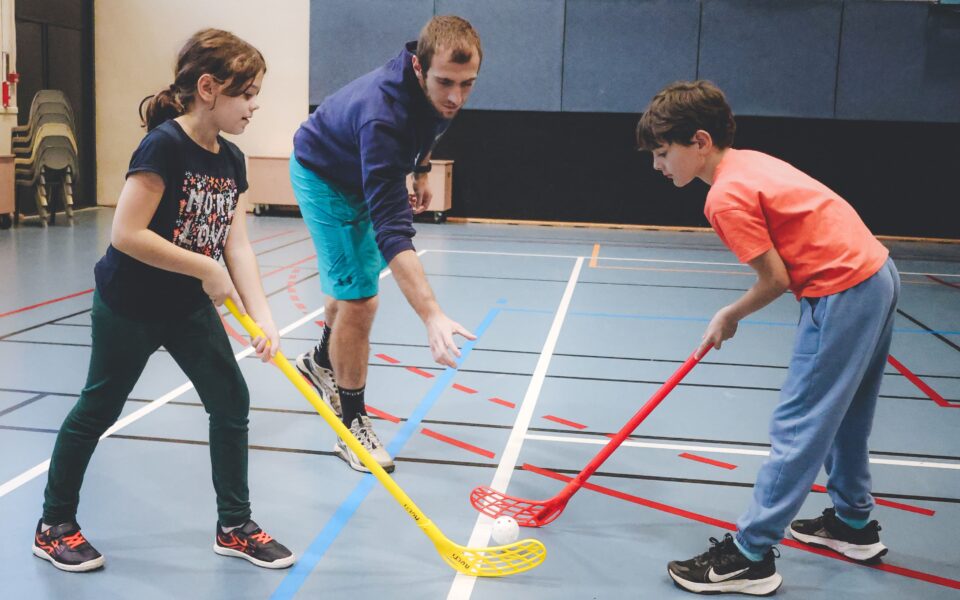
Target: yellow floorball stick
x,y
494,561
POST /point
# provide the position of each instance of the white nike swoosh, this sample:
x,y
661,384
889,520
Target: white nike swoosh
x,y
712,576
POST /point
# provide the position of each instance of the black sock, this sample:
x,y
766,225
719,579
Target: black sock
x,y
321,353
352,404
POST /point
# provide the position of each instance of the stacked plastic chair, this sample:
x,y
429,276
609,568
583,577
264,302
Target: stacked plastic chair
x,y
46,152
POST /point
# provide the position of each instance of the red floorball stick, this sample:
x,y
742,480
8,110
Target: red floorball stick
x,y
535,513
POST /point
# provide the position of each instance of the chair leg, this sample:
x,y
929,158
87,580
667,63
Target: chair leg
x,y
68,193
41,189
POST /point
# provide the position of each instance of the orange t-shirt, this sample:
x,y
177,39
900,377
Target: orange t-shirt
x,y
758,202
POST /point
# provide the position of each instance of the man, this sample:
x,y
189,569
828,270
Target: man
x,y
350,162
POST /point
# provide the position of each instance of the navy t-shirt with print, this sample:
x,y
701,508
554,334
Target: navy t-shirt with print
x,y
200,195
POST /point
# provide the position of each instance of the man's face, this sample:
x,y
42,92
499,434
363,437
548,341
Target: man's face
x,y
448,84
678,163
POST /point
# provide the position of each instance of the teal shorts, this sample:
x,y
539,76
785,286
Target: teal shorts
x,y
339,223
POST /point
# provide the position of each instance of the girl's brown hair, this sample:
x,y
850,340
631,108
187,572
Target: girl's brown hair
x,y
681,109
227,58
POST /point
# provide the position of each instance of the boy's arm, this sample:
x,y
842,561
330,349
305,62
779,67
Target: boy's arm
x,y
130,234
772,281
242,264
408,271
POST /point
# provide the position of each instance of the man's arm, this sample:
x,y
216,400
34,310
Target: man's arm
x,y
772,281
408,271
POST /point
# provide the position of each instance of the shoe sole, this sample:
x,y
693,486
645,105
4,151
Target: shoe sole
x,y
302,368
281,563
867,554
90,565
344,456
767,586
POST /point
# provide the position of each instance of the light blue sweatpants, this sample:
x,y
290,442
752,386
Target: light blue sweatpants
x,y
826,409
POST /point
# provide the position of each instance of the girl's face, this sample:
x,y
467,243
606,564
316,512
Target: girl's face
x,y
231,114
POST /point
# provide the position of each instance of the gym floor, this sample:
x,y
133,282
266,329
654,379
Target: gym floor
x,y
577,328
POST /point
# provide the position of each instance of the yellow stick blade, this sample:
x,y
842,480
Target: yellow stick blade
x,y
494,561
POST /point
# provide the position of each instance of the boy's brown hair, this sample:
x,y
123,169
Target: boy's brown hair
x,y
679,110
453,34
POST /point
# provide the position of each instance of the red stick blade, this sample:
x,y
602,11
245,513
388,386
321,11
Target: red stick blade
x,y
496,504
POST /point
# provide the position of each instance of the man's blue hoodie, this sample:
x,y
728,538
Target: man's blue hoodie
x,y
366,137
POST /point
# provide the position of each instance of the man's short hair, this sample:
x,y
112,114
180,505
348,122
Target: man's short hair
x,y
679,110
452,34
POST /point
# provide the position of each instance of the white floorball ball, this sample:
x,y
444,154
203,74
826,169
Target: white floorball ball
x,y
505,531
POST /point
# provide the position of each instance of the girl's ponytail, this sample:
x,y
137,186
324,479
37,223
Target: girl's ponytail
x,y
161,107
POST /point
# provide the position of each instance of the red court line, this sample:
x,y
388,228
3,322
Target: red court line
x,y
284,268
938,280
26,308
457,443
420,372
382,414
709,461
389,359
926,389
270,237
573,424
502,402
889,503
902,571
463,388
233,332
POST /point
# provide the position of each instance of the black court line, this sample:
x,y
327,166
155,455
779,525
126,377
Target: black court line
x,y
631,476
87,310
584,432
564,281
933,332
10,409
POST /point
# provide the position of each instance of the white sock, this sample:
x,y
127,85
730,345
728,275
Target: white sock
x,y
44,527
229,529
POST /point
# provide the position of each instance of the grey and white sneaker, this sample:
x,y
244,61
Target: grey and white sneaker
x,y
322,379
362,429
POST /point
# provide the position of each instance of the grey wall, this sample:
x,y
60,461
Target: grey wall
x,y
846,59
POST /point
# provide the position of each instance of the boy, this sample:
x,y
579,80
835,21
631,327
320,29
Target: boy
x,y
799,235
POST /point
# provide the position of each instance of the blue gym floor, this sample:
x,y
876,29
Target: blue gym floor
x,y
577,327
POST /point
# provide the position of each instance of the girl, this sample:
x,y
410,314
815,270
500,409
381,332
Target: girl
x,y
157,286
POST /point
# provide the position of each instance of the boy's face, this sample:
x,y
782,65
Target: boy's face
x,y
447,84
678,163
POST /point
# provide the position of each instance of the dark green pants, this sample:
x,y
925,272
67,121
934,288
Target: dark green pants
x,y
120,351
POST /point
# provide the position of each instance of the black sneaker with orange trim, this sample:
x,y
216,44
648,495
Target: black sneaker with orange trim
x,y
65,547
252,543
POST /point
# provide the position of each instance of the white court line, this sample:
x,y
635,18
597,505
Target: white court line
x,y
603,441
647,260
41,468
462,586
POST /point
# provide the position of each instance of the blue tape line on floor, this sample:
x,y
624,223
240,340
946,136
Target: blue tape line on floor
x,y
307,562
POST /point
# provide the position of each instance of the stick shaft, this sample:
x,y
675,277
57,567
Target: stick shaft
x,y
625,431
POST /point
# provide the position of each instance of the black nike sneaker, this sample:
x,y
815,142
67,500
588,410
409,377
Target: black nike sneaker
x,y
253,544
724,570
828,531
66,548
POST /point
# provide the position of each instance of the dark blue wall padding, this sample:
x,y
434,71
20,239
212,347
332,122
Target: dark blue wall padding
x,y
350,38
772,57
899,61
522,51
619,53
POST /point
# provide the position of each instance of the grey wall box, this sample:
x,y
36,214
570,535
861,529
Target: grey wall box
x,y
348,39
619,53
899,61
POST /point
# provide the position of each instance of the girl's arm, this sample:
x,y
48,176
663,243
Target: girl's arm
x,y
138,202
242,264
